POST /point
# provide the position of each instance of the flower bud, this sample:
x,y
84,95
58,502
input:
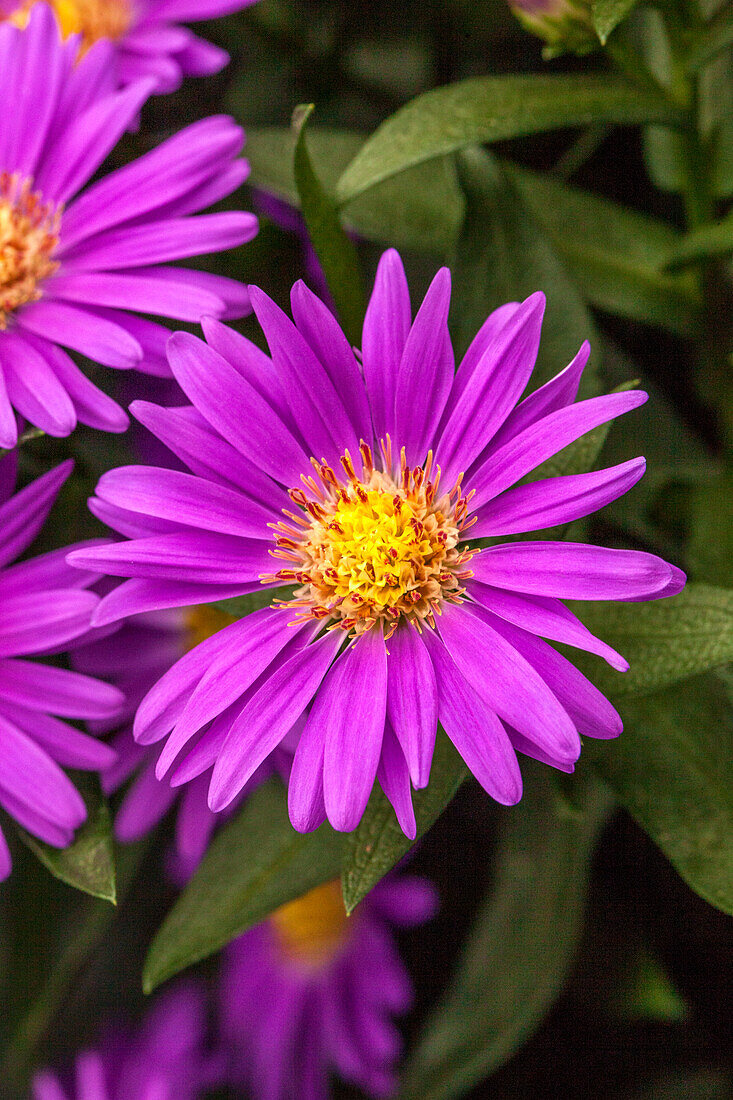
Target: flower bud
x,y
565,25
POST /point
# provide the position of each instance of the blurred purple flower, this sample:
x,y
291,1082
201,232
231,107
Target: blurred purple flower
x,y
147,37
286,217
72,267
44,608
134,658
165,1059
310,992
367,482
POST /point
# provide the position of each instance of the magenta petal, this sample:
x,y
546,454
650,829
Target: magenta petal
x,y
23,515
543,504
67,694
74,327
545,616
351,707
412,701
268,716
499,674
386,327
31,776
474,729
186,499
190,556
394,779
306,805
425,372
497,383
500,469
590,711
6,866
571,570
244,419
145,804
38,622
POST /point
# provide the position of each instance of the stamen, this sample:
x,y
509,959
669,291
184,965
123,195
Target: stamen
x,y
29,233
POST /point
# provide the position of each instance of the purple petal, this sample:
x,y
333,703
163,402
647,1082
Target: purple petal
x,y
475,730
33,388
64,744
195,556
243,417
412,701
497,383
386,328
394,779
324,335
145,804
268,716
553,501
68,694
571,570
425,373
503,467
351,707
23,516
544,616
590,711
314,402
185,499
501,676
31,776
136,596
101,340
306,805
36,622
6,866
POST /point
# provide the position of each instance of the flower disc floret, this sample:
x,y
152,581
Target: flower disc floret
x,y
375,549
92,19
29,232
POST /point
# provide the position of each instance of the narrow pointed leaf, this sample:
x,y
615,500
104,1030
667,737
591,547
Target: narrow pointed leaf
x,y
493,108
254,865
521,946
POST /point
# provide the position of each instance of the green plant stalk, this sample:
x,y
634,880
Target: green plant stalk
x,y
714,379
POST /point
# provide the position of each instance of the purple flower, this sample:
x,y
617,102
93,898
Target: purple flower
x,y
310,992
363,484
133,658
44,607
165,1059
148,40
72,266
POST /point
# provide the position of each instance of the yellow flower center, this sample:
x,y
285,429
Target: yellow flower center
x,y
203,622
373,548
28,235
92,19
312,929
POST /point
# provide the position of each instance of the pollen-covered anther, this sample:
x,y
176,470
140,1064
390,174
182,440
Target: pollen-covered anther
x,y
28,236
375,548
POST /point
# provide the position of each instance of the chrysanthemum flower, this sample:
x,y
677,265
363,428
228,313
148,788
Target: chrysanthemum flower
x,y
44,608
133,658
147,37
165,1059
74,268
364,485
311,992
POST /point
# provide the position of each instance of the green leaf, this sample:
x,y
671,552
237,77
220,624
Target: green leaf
x,y
378,842
255,864
664,640
709,240
335,251
710,40
710,549
502,255
419,210
607,14
239,606
88,864
671,769
616,255
519,951
493,108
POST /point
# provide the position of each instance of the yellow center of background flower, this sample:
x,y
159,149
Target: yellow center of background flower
x,y
203,622
92,19
312,929
373,548
28,235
